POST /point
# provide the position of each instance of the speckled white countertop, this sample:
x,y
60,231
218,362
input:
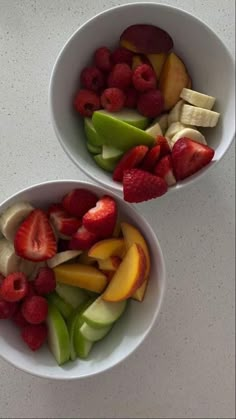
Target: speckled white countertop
x,y
185,368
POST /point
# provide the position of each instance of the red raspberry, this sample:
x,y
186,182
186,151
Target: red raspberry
x,y
7,309
34,335
120,76
113,99
35,309
131,98
31,290
92,78
151,103
122,55
45,281
19,319
86,102
14,287
144,78
102,58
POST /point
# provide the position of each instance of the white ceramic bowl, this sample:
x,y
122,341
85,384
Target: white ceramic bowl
x,y
127,334
207,59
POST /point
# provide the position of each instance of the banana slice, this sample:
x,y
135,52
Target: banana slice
x,y
154,130
63,257
174,115
193,134
200,117
9,261
162,121
173,129
11,219
197,98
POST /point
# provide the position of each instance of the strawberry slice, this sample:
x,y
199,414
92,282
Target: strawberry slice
x,y
139,186
79,201
82,239
64,224
163,143
151,158
101,219
164,169
35,240
188,157
130,159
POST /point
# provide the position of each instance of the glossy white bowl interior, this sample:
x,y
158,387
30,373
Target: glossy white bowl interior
x,y
207,59
127,334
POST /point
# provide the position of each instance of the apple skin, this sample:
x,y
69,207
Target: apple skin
x,y
91,134
58,335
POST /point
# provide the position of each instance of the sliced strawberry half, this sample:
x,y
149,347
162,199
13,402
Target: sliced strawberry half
x,y
79,201
35,240
163,143
164,169
151,158
82,239
131,159
101,219
65,224
139,186
188,157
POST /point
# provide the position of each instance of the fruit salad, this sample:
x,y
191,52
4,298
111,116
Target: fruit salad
x,y
67,272
141,115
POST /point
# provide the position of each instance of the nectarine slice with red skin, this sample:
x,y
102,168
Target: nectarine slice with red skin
x,y
106,248
157,61
128,277
146,39
110,264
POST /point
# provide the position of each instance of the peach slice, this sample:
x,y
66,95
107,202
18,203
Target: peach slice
x,y
174,77
128,277
157,61
146,39
136,61
84,259
82,276
109,264
106,248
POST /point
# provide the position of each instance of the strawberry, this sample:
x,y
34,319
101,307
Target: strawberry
x,y
139,186
164,169
163,143
101,219
34,239
151,159
64,224
82,239
130,159
189,156
79,201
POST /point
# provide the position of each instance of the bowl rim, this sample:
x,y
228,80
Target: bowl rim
x,y
116,187
156,313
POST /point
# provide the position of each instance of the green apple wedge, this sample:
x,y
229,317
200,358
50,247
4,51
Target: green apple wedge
x,y
106,164
92,136
119,134
130,116
92,333
103,313
65,308
109,152
72,295
58,335
93,149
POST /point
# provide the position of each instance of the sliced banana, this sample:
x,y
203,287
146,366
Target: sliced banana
x,y
9,261
154,130
198,99
11,219
174,115
200,117
162,121
173,129
193,134
63,257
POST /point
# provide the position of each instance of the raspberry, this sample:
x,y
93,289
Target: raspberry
x,y
14,287
102,58
34,335
92,78
35,309
31,290
120,76
45,281
122,55
86,102
7,309
19,319
131,98
113,99
151,103
144,78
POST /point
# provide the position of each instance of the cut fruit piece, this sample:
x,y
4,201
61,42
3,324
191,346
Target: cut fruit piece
x,y
198,99
119,134
174,77
103,313
106,164
84,259
92,334
140,292
154,130
111,152
63,257
9,261
74,323
173,129
93,149
200,117
146,39
174,115
157,61
129,276
136,61
92,136
82,276
65,308
132,158
193,134
11,219
58,335
107,248
83,346
109,264
71,295
130,116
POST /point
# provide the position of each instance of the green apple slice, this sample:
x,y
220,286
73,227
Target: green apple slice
x,y
103,313
58,335
93,334
130,116
91,134
83,346
109,152
72,295
119,134
65,308
93,149
105,164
